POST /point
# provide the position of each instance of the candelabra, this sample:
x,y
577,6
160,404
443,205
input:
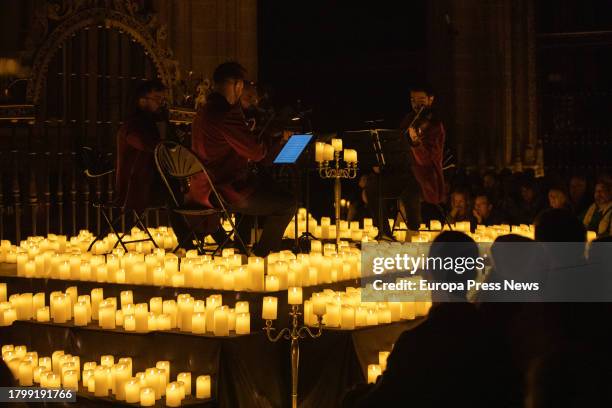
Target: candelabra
x,y
337,173
294,333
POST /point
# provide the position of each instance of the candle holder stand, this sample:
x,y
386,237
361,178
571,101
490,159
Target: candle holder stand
x,y
336,172
294,333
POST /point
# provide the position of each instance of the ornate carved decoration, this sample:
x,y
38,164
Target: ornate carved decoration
x,y
62,18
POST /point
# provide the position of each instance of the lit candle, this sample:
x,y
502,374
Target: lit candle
x,y
185,378
350,156
319,150
294,295
122,375
255,270
408,311
42,314
70,380
173,394
328,152
361,317
156,305
373,372
26,374
80,314
332,315
132,391
198,323
97,295
126,298
203,386
101,376
337,144
52,380
272,283
243,323
221,326
2,292
129,323
242,307
269,309
87,374
348,318
142,317
318,304
382,359
147,397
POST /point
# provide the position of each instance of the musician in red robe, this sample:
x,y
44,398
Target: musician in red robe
x,y
418,178
137,182
225,145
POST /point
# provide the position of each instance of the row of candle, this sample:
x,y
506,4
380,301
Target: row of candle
x,y
185,313
225,272
345,310
327,230
63,370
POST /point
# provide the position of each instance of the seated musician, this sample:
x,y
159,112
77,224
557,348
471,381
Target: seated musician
x,y
137,179
421,175
225,144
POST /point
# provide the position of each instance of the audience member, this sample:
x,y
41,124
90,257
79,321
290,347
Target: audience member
x,y
557,198
460,207
529,204
597,217
485,211
578,195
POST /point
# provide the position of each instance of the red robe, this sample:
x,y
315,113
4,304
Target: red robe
x,y
225,145
136,177
427,158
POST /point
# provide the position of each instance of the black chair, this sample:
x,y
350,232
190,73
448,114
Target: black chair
x,y
96,165
176,165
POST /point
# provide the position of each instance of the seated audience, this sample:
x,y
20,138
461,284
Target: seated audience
x,y
557,198
529,204
578,195
599,214
485,212
460,207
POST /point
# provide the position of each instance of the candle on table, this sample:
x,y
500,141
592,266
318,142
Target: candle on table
x,y
255,270
243,323
142,317
242,307
348,318
198,323
26,374
97,295
373,372
42,314
122,375
185,378
221,326
147,397
203,386
269,310
37,372
164,365
127,298
70,380
80,314
52,380
132,391
101,375
156,305
173,394
87,374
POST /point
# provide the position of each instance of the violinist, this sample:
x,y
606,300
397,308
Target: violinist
x,y
418,177
427,136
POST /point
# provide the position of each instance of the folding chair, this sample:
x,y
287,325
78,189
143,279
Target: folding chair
x,y
178,163
95,166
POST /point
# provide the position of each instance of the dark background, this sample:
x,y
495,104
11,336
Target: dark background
x,y
350,61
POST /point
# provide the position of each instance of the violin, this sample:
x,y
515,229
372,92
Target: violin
x,y
418,124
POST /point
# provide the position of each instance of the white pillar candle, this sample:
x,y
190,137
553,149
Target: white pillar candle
x,y
151,322
221,327
87,374
156,305
212,302
132,391
332,315
70,380
55,360
38,301
272,283
337,144
127,298
269,309
319,304
243,323
122,375
80,314
382,359
373,372
408,311
350,155
129,323
101,375
106,316
255,270
371,317
119,318
198,323
36,374
147,397
173,395
26,374
60,315
319,150
97,295
348,318
384,316
203,386
163,322
294,295
185,378
185,313
242,307
164,365
42,314
53,380
142,317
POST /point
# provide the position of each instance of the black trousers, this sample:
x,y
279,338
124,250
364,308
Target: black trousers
x,y
402,186
276,205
